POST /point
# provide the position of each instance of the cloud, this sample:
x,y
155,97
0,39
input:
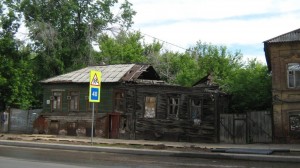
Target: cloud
x,y
238,24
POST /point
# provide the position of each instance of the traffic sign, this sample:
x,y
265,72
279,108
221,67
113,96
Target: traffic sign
x,y
95,86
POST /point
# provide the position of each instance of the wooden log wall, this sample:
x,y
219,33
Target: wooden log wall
x,y
164,127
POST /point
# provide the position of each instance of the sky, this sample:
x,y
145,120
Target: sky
x,y
241,25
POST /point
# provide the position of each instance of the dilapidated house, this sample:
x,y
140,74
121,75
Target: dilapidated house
x,y
283,58
135,104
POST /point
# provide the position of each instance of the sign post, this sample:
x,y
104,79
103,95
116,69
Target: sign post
x,y
94,94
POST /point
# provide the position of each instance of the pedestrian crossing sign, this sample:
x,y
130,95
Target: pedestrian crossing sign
x,y
95,80
95,86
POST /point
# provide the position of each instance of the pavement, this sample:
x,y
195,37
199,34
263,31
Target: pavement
x,y
253,152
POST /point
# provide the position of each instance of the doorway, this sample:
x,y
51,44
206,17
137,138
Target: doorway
x,y
113,125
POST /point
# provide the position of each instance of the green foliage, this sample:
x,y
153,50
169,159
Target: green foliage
x,y
63,31
61,35
20,86
16,75
248,84
167,65
188,71
250,87
16,81
123,48
215,59
200,60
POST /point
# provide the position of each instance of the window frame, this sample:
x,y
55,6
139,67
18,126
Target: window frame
x,y
70,101
292,73
155,108
174,114
292,117
192,106
58,107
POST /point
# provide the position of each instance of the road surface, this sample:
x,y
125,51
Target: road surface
x,y
12,157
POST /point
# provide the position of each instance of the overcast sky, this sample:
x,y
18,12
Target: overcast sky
x,y
238,24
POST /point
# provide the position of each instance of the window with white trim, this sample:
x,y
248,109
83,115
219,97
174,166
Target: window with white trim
x,y
293,75
56,101
74,101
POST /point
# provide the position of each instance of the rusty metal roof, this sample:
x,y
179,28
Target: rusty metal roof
x,y
110,73
287,37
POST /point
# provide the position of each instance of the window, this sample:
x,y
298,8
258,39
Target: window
x,y
74,101
150,107
293,70
119,101
295,122
173,109
196,108
56,101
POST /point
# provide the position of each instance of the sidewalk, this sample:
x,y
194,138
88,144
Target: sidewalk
x,y
279,152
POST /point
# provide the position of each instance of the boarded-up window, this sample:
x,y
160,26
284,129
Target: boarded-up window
x,y
74,101
150,107
295,122
173,109
119,101
56,101
293,72
196,108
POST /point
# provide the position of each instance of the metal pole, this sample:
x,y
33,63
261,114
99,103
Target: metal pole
x,y
92,130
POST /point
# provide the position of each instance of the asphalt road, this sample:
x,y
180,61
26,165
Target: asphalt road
x,y
15,157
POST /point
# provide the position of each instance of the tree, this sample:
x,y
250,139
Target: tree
x,y
176,68
16,75
249,87
215,59
125,47
63,31
188,71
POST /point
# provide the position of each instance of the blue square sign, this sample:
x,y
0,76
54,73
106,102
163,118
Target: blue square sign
x,y
94,94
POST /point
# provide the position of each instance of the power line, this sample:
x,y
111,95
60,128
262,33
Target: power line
x,y
164,41
161,40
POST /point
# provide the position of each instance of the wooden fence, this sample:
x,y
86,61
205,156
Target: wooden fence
x,y
252,127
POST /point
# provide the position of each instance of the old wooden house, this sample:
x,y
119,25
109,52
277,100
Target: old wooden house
x,y
135,104
283,58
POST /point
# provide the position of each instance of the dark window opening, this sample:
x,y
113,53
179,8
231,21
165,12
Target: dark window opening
x,y
196,108
173,109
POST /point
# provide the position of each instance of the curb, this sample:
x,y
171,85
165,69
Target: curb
x,y
205,155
